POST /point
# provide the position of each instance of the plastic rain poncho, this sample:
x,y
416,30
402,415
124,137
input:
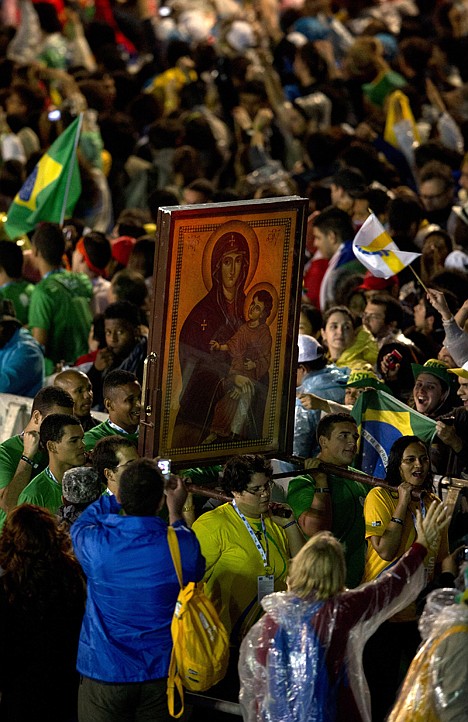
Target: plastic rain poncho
x,y
302,662
436,685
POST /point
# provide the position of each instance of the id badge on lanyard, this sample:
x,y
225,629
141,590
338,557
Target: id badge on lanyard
x,y
265,585
265,582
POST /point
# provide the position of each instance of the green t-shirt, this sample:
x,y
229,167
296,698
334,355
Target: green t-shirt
x,y
60,304
44,491
348,525
92,436
20,293
11,451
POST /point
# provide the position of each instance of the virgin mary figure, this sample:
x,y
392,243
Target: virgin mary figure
x,y
216,317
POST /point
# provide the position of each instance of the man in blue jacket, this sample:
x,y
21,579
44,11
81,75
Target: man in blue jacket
x,y
125,643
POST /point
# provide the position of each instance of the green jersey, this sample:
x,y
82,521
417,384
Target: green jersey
x,y
44,490
347,498
11,451
92,436
60,304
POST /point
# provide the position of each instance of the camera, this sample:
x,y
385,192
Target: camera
x,y
165,467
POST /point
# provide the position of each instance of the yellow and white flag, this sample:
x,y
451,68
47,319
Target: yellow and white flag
x,y
375,249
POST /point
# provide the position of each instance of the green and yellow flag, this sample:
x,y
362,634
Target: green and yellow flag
x,y
381,420
51,191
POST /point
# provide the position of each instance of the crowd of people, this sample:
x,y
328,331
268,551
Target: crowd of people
x,y
320,580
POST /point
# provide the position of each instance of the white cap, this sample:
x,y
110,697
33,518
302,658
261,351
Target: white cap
x,y
309,349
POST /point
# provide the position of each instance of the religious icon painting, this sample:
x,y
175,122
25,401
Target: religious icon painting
x,y
221,371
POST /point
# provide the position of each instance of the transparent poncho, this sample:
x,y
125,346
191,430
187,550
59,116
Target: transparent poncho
x,y
436,685
302,662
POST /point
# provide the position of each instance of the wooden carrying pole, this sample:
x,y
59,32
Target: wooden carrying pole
x,y
327,468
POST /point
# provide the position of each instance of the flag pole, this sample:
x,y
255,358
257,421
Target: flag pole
x,y
418,278
71,169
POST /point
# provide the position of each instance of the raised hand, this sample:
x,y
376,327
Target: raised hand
x,y
431,527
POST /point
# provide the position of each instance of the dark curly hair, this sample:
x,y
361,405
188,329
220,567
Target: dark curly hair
x,y
393,475
239,470
38,562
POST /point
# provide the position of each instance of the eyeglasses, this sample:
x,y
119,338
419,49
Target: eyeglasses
x,y
119,466
260,490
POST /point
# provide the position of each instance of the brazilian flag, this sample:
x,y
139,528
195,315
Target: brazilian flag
x,y
381,420
51,191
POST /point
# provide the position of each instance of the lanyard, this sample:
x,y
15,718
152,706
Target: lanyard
x,y
429,568
53,271
118,428
422,509
263,552
51,476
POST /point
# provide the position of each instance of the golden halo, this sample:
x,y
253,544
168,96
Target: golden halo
x,y
265,286
249,235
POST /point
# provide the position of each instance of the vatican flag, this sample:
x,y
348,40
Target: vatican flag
x,y
51,191
375,249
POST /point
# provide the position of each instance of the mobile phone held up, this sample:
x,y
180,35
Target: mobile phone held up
x,y
165,467
393,359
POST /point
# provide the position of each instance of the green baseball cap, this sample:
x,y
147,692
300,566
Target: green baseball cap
x,y
436,368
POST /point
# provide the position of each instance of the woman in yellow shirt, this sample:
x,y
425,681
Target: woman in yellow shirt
x,y
390,518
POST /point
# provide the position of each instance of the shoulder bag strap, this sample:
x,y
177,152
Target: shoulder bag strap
x,y
175,553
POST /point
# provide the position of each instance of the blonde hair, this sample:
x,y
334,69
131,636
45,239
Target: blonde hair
x,y
319,568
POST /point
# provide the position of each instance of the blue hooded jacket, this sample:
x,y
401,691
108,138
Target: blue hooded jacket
x,y
132,591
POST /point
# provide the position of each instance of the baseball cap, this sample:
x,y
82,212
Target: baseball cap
x,y
463,371
365,378
122,248
373,283
436,368
309,349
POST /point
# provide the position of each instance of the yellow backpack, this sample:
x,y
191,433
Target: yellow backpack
x,y
200,652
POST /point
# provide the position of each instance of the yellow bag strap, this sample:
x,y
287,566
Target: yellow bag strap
x,y
174,681
175,553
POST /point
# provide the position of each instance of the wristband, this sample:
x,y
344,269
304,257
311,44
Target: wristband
x,y
397,520
29,461
290,523
322,490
